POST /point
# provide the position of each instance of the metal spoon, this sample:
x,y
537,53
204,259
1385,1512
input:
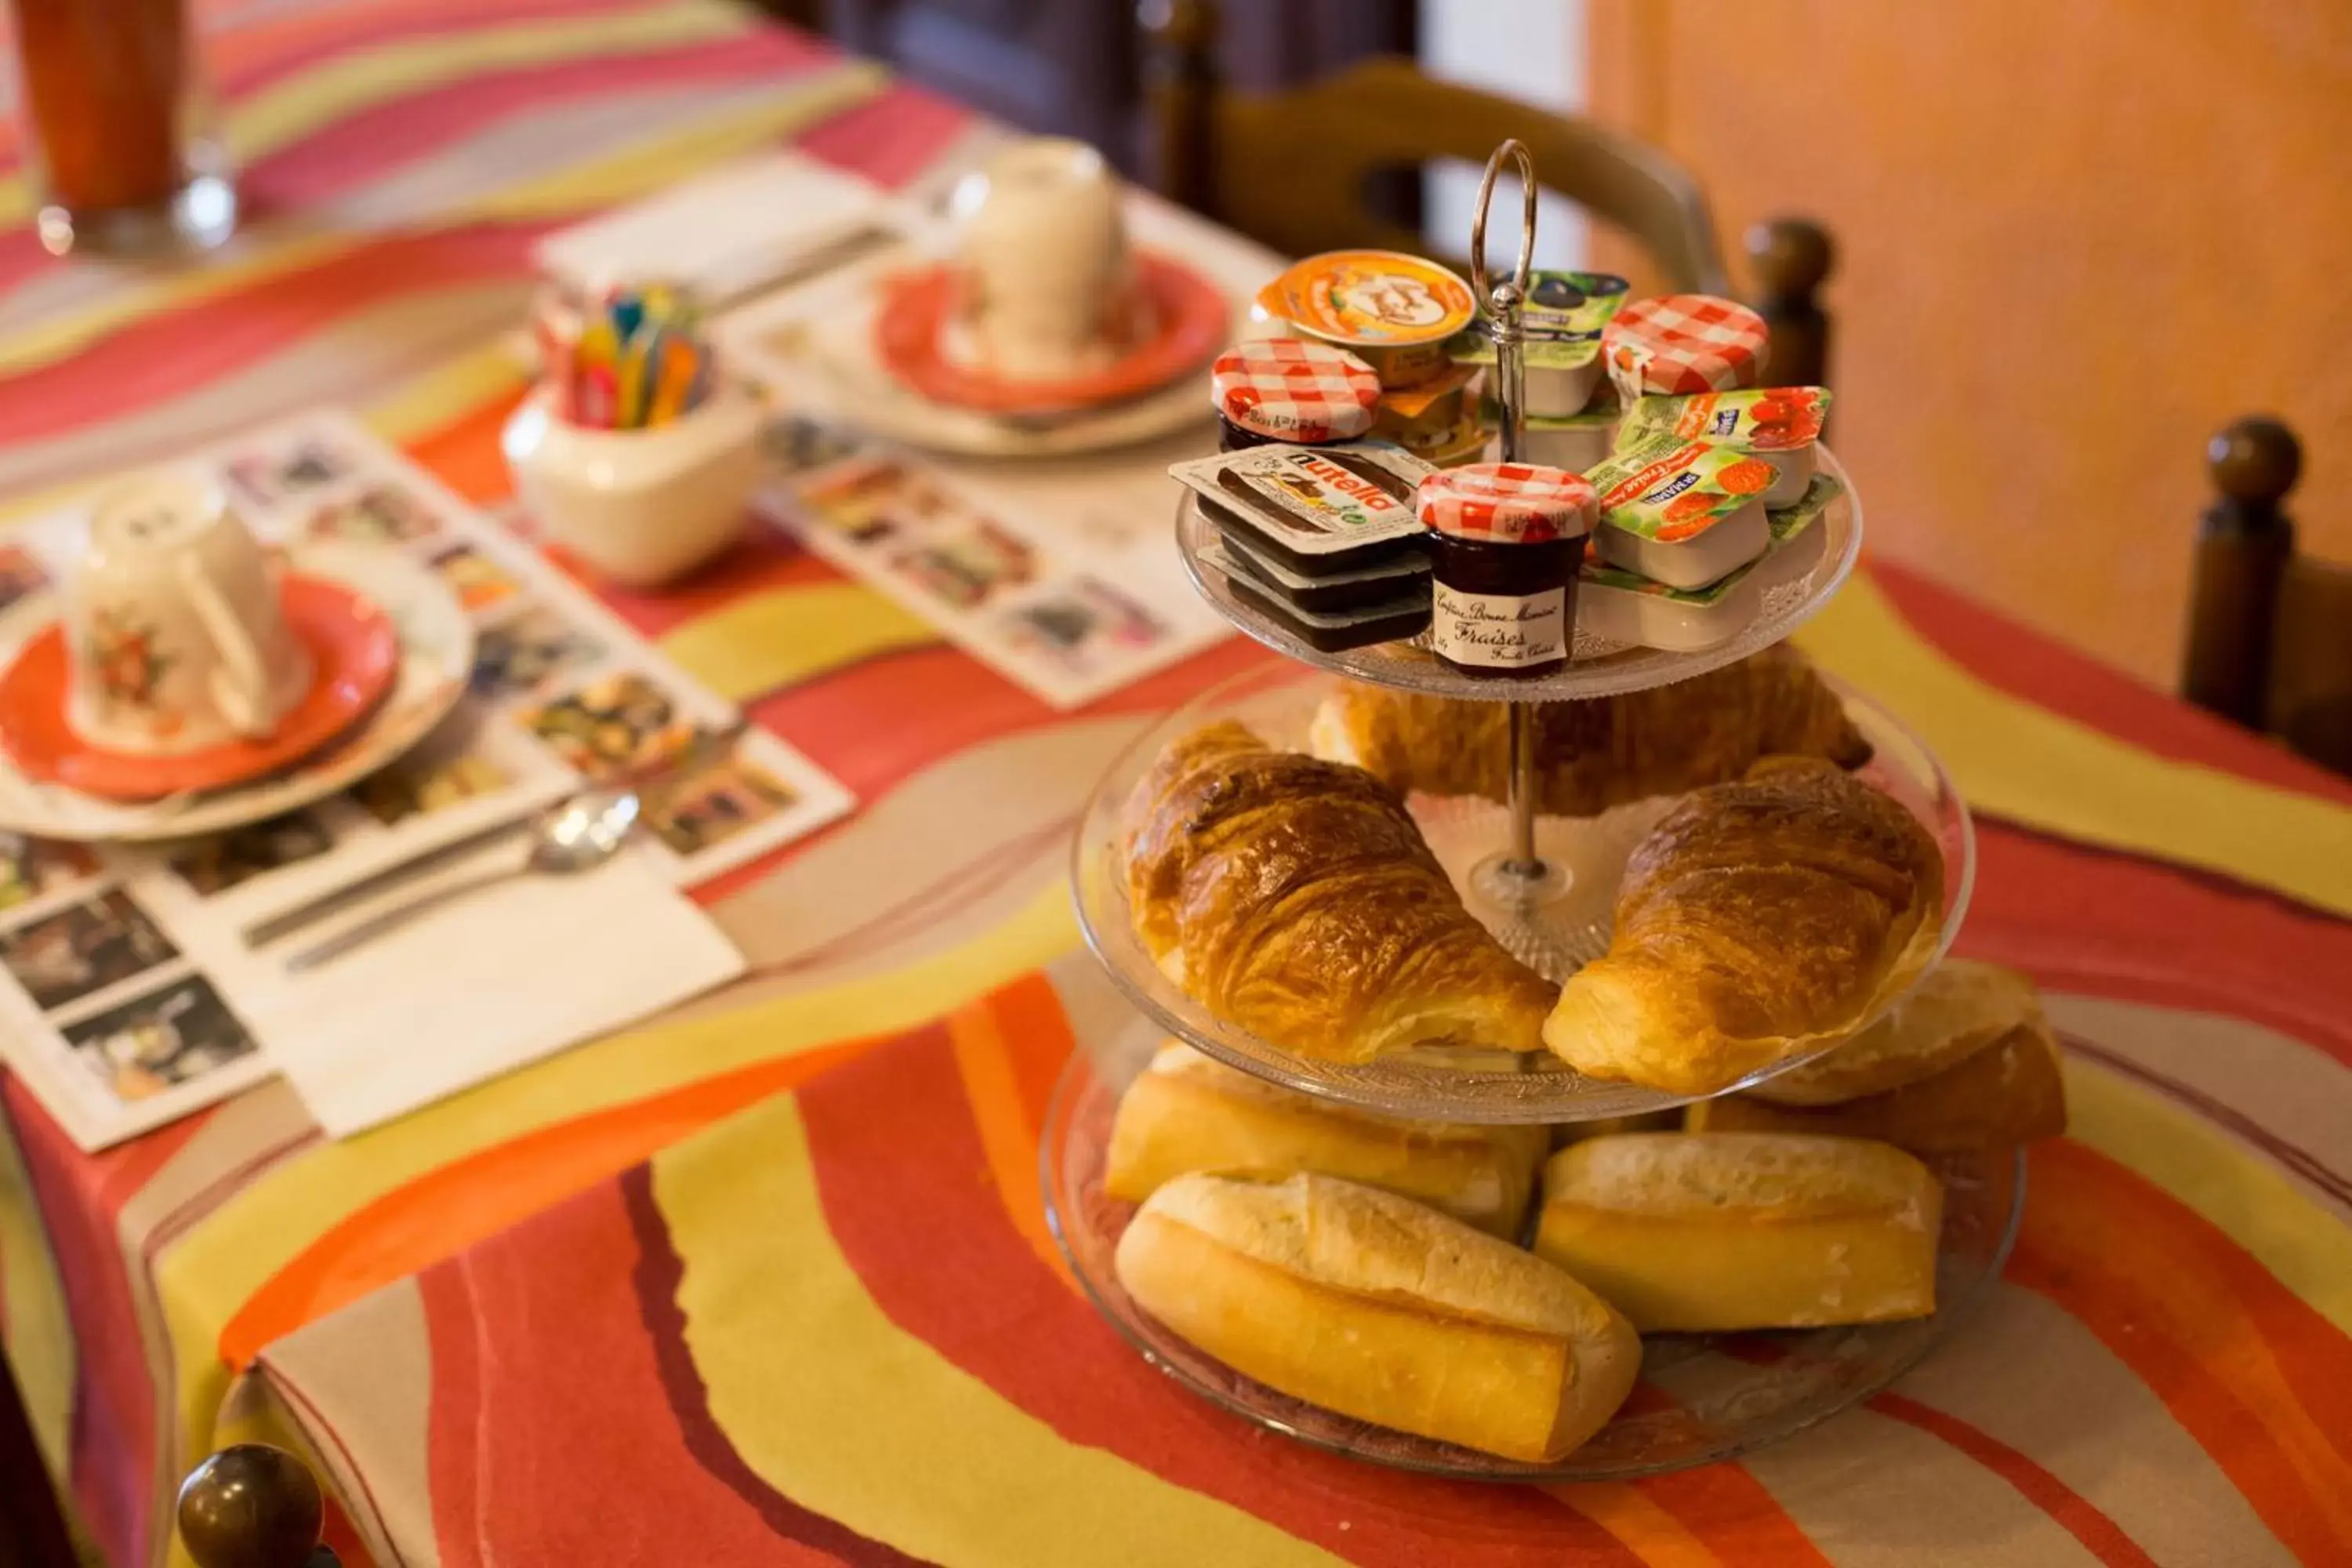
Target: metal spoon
x,y
578,835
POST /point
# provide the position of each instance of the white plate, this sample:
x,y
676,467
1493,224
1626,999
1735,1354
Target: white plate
x,y
436,657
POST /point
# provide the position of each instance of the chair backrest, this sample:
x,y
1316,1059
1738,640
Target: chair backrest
x,y
1297,170
252,1506
2270,632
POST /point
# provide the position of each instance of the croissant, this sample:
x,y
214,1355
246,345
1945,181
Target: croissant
x,y
1595,754
1760,920
1297,899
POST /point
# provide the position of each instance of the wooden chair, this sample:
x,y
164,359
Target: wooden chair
x,y
2270,632
252,1506
1298,171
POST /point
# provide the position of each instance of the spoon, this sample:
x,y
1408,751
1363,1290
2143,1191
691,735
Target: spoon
x,y
578,835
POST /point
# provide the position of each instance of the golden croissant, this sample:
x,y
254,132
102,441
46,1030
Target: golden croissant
x,y
1592,755
1297,899
1760,920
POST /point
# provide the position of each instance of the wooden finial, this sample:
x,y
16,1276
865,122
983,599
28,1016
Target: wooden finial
x,y
2254,462
251,1506
1791,258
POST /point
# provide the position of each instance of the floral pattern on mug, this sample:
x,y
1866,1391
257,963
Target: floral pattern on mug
x,y
123,652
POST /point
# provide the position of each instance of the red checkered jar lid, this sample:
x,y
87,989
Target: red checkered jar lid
x,y
1508,503
1683,343
1290,390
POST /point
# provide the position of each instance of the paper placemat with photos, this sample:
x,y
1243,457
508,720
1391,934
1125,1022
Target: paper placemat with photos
x,y
1061,577
108,1021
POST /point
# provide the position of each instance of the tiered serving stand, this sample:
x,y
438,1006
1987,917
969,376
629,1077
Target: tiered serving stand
x,y
1546,887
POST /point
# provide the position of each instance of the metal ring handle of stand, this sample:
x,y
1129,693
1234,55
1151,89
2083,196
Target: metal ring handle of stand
x,y
1503,303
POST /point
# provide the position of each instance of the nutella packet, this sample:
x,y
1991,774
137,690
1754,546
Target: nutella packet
x,y
1309,501
1761,419
1561,321
1668,489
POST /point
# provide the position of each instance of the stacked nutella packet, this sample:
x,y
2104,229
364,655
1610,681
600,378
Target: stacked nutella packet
x,y
1708,500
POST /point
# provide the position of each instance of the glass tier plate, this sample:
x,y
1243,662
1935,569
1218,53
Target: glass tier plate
x,y
1703,1397
1277,701
1600,668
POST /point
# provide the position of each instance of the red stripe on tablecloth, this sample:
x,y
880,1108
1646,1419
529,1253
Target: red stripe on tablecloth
x,y
322,1432
2261,1381
891,139
2099,1534
2047,673
900,1170
383,137
177,352
552,1434
2131,928
111,1445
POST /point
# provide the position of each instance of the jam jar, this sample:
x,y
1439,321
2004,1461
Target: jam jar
x,y
1290,391
1504,543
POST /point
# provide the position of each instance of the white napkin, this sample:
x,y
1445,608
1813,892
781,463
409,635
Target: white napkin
x,y
494,981
723,235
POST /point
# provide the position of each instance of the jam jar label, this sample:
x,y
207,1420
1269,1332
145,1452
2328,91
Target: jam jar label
x,y
1501,631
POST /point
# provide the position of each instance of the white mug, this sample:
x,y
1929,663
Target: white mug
x,y
1041,238
175,623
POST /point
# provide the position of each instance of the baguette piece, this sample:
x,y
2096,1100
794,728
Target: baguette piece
x,y
1373,1306
1957,1009
1706,1231
2011,1092
1188,1113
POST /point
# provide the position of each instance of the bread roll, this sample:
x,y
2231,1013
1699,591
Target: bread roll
x,y
1956,1010
1186,1112
1703,1231
1373,1306
1758,921
2011,1092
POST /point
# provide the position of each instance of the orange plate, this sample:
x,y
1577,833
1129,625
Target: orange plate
x,y
1192,318
354,651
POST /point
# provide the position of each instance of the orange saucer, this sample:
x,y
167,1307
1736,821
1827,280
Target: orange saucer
x,y
1192,314
355,654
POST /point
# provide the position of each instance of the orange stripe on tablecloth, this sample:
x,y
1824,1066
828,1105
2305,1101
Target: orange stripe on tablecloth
x,y
415,1226
2258,1379
2101,1535
1650,1531
464,454
1735,1515
1037,1038
1007,1136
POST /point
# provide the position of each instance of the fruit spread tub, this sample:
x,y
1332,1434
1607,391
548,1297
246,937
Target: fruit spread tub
x,y
1560,327
1778,424
1392,310
1619,607
1682,512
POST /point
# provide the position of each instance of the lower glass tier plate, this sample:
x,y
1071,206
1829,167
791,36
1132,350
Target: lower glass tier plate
x,y
1567,928
1703,1398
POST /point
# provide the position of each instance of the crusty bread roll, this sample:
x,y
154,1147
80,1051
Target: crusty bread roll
x,y
1758,921
1702,1231
1186,1112
2007,1093
1956,1010
1373,1306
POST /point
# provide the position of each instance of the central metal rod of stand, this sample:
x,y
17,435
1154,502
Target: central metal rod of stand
x,y
1505,301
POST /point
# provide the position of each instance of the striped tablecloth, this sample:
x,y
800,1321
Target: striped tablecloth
x,y
768,1281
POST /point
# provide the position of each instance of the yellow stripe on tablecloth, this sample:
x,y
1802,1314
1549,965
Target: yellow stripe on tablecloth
x,y
41,1341
781,637
306,102
2306,1248
207,1276
619,176
2017,761
838,1407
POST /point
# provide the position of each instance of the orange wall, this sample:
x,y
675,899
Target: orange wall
x,y
2076,237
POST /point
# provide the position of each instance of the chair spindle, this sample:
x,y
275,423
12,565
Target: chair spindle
x,y
2243,545
252,1506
